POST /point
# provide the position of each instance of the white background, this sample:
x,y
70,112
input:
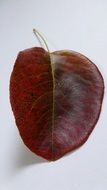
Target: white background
x,y
80,25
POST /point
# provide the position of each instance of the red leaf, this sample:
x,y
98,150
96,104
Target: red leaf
x,y
55,111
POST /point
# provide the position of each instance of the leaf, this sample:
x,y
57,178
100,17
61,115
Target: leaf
x,y
55,111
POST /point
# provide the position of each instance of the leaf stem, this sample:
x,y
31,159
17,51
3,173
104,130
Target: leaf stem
x,y
37,33
39,37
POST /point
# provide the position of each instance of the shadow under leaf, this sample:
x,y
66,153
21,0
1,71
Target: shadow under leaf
x,y
26,158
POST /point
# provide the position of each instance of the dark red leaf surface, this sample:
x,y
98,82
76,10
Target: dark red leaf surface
x,y
55,113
